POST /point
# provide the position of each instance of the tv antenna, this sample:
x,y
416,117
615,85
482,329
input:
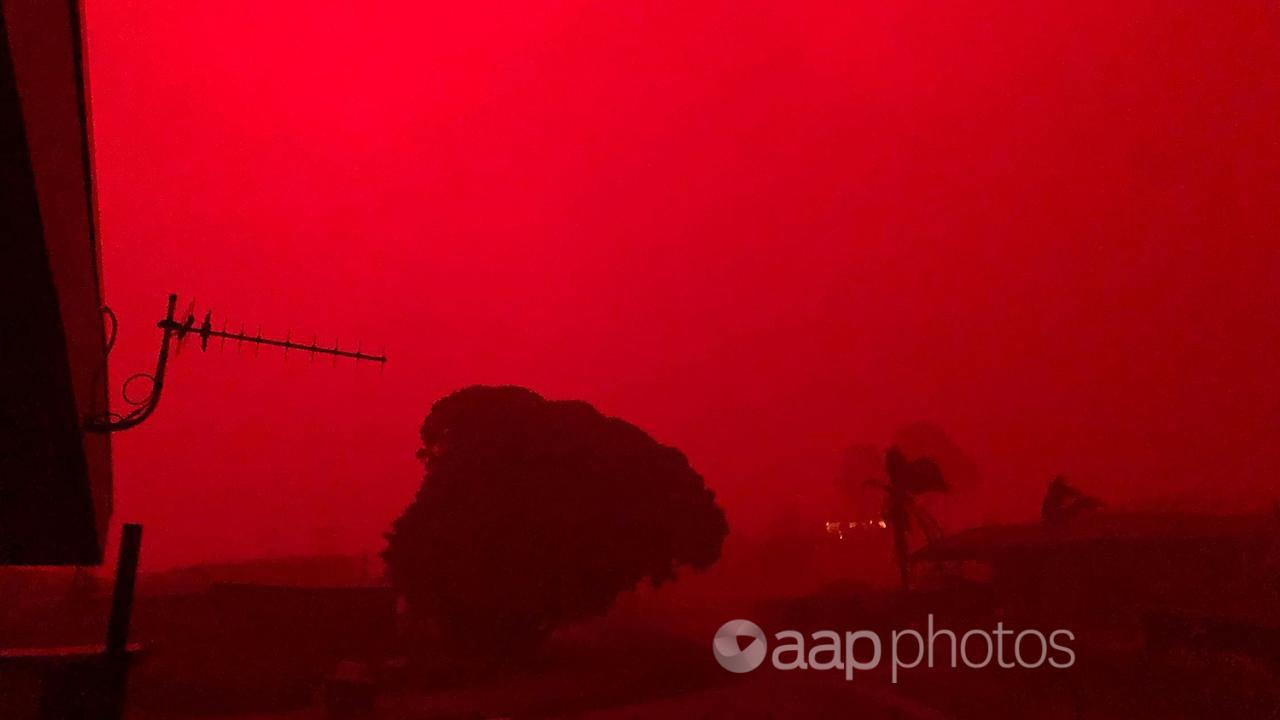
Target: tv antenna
x,y
175,332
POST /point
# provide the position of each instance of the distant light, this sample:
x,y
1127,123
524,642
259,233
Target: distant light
x,y
838,528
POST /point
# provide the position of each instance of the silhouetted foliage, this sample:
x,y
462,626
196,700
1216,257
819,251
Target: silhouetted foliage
x,y
924,439
863,465
1062,501
533,513
907,480
913,477
939,466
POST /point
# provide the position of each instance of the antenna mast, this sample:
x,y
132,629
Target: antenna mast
x,y
176,331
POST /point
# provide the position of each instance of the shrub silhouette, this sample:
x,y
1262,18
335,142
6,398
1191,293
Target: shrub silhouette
x,y
535,513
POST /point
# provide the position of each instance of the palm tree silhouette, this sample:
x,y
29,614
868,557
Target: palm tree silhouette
x,y
908,479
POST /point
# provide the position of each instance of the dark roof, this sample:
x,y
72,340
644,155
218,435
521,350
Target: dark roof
x,y
994,541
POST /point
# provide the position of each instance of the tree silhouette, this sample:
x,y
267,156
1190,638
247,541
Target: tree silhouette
x,y
534,513
907,481
939,466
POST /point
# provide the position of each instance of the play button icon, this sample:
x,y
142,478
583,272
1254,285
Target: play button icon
x,y
739,646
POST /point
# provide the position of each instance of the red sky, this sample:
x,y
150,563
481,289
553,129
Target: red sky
x,y
761,231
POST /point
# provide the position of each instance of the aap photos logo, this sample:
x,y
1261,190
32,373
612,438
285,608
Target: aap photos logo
x,y
739,646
